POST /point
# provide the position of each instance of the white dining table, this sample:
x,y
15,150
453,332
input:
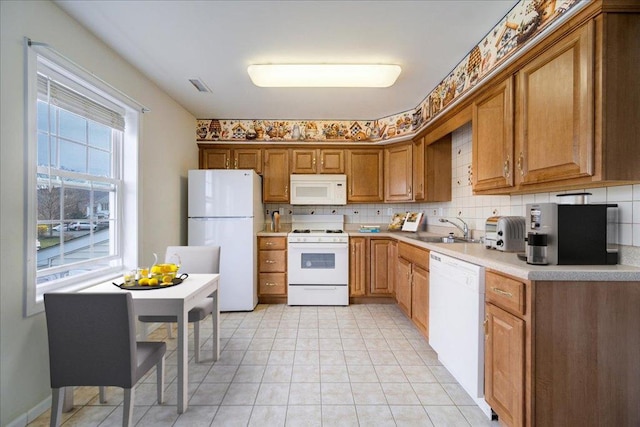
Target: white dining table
x,y
176,300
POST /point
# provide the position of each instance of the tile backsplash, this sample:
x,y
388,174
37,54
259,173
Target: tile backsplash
x,y
474,210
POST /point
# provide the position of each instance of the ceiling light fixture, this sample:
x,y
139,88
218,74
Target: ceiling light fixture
x,y
323,75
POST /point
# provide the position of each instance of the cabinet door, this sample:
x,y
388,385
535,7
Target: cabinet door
x,y
248,158
357,266
381,267
215,158
418,169
492,128
438,168
420,299
398,173
275,185
403,285
272,284
331,161
303,161
504,365
364,175
555,111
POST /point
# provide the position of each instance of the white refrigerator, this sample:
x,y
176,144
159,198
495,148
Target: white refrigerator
x,y
225,209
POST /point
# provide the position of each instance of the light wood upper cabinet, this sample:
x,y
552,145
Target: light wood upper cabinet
x,y
325,161
364,175
438,170
357,266
555,118
418,158
492,127
248,158
231,158
398,172
275,183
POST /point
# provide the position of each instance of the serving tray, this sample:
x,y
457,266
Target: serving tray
x,y
161,285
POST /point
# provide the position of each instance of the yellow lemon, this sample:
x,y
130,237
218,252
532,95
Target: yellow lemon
x,y
166,268
174,268
156,269
153,282
143,282
144,272
167,279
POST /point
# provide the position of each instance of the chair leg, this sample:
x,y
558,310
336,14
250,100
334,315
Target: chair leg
x,y
196,340
127,407
57,396
103,394
160,380
169,331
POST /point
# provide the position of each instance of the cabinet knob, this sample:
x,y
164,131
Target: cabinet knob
x,y
270,261
270,284
235,163
269,243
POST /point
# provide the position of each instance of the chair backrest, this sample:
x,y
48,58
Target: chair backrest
x,y
91,339
195,259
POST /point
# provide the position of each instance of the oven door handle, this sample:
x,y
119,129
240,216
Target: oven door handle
x,y
318,246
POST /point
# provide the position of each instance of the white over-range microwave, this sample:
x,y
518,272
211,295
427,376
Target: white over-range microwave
x,y
318,189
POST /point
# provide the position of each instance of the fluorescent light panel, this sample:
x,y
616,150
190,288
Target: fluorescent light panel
x,y
323,75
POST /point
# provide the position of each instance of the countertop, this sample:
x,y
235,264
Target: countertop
x,y
506,262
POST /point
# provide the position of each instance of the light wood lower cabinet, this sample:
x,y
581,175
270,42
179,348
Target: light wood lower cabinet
x,y
382,271
357,266
412,284
504,365
560,353
371,269
272,266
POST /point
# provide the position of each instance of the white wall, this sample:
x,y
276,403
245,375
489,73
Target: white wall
x,y
476,209
167,152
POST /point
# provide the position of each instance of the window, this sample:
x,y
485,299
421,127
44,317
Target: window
x,y
77,140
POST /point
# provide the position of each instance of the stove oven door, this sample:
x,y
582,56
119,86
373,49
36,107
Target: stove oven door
x,y
318,264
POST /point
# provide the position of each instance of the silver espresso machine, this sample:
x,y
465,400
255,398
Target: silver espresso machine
x,y
572,234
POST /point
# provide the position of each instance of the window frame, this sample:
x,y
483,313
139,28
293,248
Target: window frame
x,y
126,214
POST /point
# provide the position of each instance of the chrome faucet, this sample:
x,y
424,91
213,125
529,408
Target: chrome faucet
x,y
464,228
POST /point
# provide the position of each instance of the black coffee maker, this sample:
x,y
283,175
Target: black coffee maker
x,y
575,234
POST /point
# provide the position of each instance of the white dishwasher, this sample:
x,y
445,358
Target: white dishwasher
x,y
456,316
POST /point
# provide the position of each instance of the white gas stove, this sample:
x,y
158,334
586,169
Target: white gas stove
x,y
318,261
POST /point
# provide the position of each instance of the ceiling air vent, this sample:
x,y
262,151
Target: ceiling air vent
x,y
198,84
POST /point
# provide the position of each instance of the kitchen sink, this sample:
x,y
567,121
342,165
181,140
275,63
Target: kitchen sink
x,y
445,239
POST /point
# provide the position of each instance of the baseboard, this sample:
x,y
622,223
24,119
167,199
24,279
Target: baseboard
x,y
31,414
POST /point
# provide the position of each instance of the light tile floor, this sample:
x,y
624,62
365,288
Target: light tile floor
x,y
361,365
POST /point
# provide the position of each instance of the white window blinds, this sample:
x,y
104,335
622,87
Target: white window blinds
x,y
64,97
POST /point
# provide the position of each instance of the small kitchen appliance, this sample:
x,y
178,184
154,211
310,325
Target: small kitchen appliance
x,y
322,189
317,261
505,233
576,234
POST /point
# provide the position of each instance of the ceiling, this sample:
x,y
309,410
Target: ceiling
x,y
214,41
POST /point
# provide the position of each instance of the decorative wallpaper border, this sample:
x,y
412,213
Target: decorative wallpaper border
x,y
524,21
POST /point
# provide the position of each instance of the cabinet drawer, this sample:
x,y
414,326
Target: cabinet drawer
x,y
505,292
273,284
272,261
414,254
272,243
